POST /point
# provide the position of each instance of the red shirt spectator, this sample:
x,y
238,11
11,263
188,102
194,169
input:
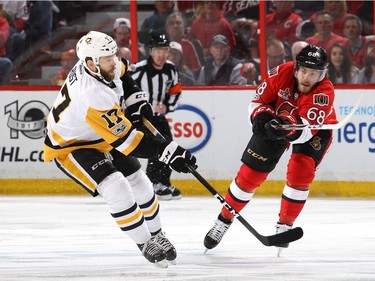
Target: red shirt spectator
x,y
325,38
356,45
283,22
4,34
175,28
210,23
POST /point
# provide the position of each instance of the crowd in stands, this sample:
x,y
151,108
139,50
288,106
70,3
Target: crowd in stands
x,y
213,42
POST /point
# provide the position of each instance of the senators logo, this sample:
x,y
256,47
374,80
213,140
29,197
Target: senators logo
x,y
321,99
286,107
315,143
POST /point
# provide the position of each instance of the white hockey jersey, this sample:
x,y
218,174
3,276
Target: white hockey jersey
x,y
87,114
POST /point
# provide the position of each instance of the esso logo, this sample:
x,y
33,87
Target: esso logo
x,y
190,127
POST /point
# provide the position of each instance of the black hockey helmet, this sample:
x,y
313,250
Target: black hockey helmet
x,y
158,40
312,57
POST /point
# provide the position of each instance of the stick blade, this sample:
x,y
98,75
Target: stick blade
x,y
285,237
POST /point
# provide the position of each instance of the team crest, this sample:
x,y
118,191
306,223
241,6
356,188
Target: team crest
x,y
286,107
315,143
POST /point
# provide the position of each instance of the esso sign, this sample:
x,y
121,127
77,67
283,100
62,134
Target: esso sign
x,y
190,127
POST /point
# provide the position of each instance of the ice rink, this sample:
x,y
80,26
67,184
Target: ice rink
x,y
75,238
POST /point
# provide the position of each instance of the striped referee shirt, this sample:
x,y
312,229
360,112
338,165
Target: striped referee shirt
x,y
162,86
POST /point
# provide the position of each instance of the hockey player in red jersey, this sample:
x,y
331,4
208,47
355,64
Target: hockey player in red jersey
x,y
292,93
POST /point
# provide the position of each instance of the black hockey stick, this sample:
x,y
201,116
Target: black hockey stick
x,y
272,240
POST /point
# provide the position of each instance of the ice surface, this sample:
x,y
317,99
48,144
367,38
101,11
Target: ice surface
x,y
75,238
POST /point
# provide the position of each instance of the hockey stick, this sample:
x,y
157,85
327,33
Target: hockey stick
x,y
322,126
272,240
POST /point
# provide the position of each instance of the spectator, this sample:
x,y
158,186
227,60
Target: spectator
x,y
357,43
175,28
126,53
297,47
282,23
275,53
244,29
340,69
4,35
367,73
221,69
338,10
6,67
156,22
325,38
186,75
68,59
210,23
121,34
39,24
160,80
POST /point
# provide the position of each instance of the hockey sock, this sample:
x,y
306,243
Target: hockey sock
x,y
292,203
242,189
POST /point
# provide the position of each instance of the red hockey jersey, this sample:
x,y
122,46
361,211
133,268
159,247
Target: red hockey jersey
x,y
279,90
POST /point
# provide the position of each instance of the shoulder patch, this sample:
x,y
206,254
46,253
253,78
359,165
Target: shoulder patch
x,y
321,99
274,71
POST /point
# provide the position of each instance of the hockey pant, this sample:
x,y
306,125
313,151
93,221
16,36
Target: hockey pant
x,y
261,157
157,171
124,186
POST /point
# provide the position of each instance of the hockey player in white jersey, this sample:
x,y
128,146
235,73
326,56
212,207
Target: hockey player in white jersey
x,y
91,141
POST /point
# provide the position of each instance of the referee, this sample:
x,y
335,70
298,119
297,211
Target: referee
x,y
159,78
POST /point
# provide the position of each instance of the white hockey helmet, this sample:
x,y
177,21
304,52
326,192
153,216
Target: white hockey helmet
x,y
95,44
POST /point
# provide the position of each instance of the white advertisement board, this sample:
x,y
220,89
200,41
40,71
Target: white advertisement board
x,y
213,124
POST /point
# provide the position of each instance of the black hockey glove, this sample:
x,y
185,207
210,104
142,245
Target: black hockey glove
x,y
177,158
137,107
260,116
274,131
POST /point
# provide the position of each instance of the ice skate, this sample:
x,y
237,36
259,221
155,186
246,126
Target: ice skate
x,y
176,193
154,253
280,228
162,191
216,233
167,246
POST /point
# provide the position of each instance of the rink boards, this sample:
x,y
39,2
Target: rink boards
x,y
212,123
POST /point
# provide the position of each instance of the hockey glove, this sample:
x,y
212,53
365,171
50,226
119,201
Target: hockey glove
x,y
177,158
274,131
260,117
138,107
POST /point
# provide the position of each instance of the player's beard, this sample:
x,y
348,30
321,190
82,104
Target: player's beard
x,y
304,88
108,75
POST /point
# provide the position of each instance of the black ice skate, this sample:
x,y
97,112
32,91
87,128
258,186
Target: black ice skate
x,y
216,233
167,246
154,253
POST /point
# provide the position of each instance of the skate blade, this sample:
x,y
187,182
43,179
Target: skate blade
x,y
172,262
161,264
279,250
205,251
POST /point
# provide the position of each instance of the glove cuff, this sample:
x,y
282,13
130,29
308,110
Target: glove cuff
x,y
168,151
136,97
262,109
